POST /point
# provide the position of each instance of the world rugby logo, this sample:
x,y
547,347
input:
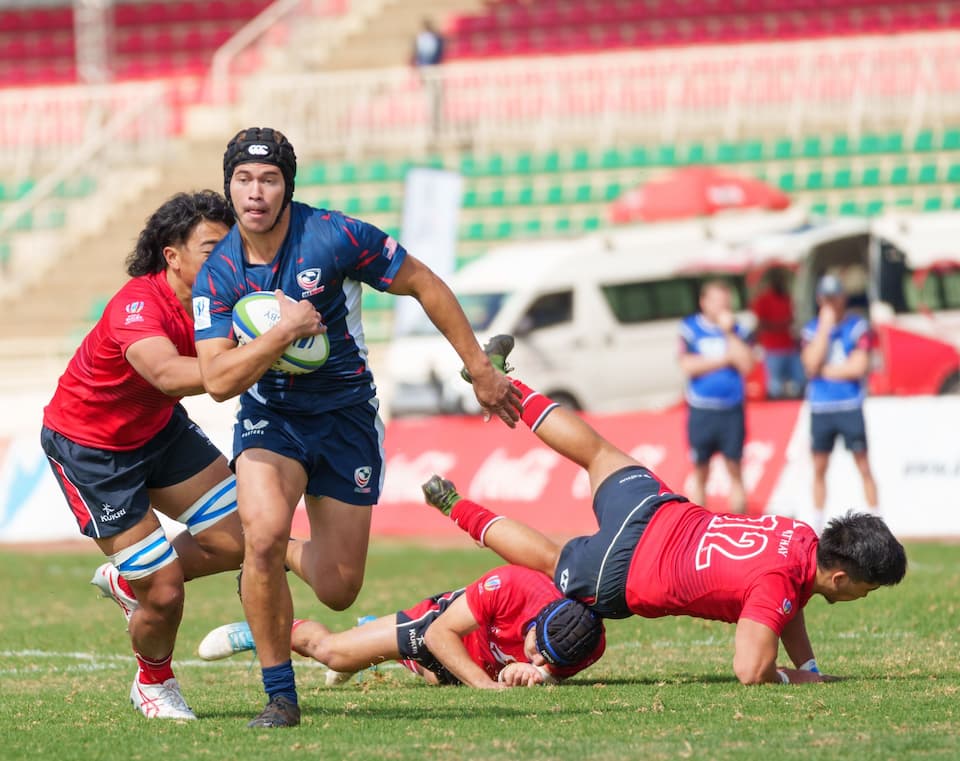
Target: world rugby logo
x,y
258,150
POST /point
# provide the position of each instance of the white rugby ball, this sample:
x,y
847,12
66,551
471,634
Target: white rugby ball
x,y
258,312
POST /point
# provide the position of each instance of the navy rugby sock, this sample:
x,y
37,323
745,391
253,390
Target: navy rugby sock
x,y
279,680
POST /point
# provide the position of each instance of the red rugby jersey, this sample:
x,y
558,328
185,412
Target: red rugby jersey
x,y
691,562
505,602
101,401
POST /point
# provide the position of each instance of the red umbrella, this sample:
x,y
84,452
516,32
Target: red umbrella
x,y
695,192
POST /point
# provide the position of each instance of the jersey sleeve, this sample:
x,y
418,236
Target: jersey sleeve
x,y
368,254
136,317
773,601
213,299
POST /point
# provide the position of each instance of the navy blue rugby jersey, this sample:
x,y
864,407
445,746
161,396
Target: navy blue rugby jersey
x,y
324,258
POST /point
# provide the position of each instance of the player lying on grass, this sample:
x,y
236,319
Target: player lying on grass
x,y
657,554
121,446
509,628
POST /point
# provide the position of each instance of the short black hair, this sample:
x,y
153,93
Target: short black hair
x,y
863,547
172,224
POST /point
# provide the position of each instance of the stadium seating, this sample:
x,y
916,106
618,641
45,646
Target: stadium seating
x,y
514,27
151,38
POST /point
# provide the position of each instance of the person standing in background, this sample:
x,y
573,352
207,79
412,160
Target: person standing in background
x,y
715,357
773,308
836,358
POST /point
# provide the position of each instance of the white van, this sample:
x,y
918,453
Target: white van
x,y
596,319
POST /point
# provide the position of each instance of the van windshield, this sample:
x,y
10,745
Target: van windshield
x,y
480,309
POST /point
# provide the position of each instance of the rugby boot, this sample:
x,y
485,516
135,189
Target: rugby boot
x,y
497,349
441,494
160,701
279,712
111,585
227,640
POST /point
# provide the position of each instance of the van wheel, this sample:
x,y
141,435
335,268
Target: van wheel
x,y
951,385
565,400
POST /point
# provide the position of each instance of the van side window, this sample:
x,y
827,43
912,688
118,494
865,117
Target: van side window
x,y
549,309
651,299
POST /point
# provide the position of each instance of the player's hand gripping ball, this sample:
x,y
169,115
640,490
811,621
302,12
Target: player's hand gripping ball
x,y
258,312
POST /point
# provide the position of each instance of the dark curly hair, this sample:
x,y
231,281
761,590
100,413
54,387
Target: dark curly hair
x,y
171,225
862,546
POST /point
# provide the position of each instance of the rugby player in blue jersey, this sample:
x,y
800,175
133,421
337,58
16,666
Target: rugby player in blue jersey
x,y
715,357
316,436
836,357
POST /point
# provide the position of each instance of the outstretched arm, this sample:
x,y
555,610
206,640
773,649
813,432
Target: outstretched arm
x,y
494,392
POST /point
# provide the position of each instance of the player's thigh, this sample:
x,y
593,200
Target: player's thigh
x,y
269,487
731,431
701,435
820,462
339,534
823,432
853,429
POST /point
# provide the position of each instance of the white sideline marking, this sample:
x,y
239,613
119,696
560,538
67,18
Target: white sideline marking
x,y
100,662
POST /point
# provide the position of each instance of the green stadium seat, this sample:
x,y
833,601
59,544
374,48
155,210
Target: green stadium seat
x,y
848,208
696,154
468,166
312,174
561,225
752,150
638,156
842,178
951,140
787,182
666,155
927,174
525,195
383,203
555,194
873,207
933,203
504,229
348,172
904,202
352,205
497,197
493,165
550,162
783,148
474,231
590,224
533,226
840,146
923,141
814,180
728,153
900,174
893,142
612,191
870,143
956,201
523,163
953,173
377,171
75,188
811,147
870,177
610,159
95,310
583,194
469,200
819,208
580,159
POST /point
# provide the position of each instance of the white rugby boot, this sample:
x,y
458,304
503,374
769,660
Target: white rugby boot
x,y
107,579
160,701
225,641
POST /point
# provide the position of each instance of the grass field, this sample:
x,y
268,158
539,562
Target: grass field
x,y
665,689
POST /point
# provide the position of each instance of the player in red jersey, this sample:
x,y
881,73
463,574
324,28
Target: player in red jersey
x,y
122,447
509,628
657,554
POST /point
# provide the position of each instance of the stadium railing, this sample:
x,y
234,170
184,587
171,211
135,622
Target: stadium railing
x,y
853,85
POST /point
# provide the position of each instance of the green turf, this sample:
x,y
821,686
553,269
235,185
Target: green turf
x,y
663,691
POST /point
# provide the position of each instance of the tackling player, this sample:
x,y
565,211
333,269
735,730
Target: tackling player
x,y
509,628
317,436
657,554
121,446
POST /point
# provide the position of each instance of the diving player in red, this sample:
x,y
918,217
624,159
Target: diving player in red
x,y
509,628
657,554
122,447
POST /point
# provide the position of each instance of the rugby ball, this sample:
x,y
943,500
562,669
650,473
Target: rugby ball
x,y
258,312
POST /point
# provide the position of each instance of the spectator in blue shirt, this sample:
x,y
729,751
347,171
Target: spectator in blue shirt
x,y
715,357
836,358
